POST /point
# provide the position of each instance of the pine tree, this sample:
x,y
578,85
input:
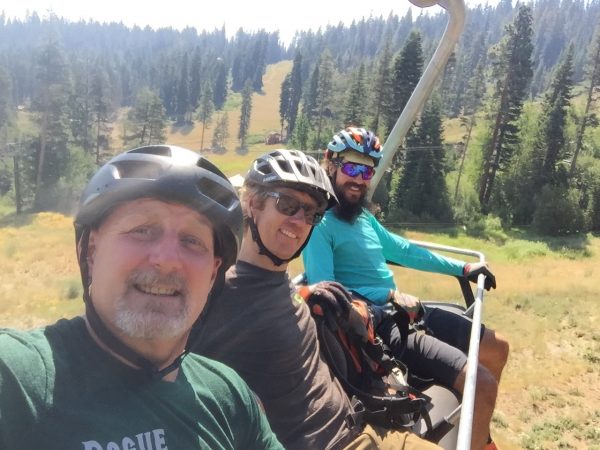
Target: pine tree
x,y
555,109
195,78
206,109
324,92
354,111
291,93
309,106
407,70
5,99
245,113
422,188
101,110
382,87
220,86
220,134
473,97
284,100
147,119
258,60
301,133
80,106
588,118
538,165
516,66
50,107
183,93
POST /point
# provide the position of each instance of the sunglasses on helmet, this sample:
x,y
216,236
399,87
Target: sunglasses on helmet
x,y
352,169
289,206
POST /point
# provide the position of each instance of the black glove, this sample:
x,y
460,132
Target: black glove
x,y
472,270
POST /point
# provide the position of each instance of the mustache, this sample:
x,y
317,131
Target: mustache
x,y
349,184
154,278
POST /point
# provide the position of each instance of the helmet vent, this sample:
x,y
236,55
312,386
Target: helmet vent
x,y
159,150
206,164
136,169
215,191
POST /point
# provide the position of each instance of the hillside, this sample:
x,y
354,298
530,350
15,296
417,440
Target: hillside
x,y
265,118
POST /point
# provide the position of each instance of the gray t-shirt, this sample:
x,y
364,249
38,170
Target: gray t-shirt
x,y
260,328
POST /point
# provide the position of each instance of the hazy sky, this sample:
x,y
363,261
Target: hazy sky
x,y
271,15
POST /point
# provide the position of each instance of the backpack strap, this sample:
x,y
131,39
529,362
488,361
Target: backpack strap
x,y
401,409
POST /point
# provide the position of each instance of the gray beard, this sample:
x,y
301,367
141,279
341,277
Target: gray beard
x,y
152,320
149,324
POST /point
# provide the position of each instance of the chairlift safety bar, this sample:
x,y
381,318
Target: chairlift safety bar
x,y
465,428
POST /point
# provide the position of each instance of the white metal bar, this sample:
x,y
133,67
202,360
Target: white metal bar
x,y
465,429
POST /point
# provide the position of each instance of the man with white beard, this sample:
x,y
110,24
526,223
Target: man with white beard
x,y
156,229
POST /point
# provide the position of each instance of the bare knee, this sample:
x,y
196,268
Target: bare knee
x,y
493,352
486,390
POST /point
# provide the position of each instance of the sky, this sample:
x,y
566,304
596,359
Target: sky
x,y
251,15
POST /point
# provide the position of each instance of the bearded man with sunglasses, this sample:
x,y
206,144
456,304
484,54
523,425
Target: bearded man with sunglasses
x,y
263,329
351,247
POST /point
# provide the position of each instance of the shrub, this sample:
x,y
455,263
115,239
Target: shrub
x,y
558,212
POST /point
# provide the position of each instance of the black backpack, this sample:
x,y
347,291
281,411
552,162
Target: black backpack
x,y
370,375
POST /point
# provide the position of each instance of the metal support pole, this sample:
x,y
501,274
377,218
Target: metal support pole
x,y
456,11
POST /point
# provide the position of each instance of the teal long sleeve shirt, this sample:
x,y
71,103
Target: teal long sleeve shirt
x,y
356,255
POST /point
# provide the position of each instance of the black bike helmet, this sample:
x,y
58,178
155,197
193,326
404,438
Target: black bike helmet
x,y
168,173
294,169
357,139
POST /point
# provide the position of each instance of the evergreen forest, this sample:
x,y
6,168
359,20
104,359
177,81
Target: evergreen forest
x,y
509,136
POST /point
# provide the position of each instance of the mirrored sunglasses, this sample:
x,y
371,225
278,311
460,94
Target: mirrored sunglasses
x,y
289,206
352,169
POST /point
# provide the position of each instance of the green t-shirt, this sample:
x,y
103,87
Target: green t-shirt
x,y
59,390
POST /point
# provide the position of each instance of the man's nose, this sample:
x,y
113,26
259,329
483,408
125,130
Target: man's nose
x,y
166,252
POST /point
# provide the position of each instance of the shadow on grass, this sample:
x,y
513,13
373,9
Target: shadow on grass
x,y
182,128
575,242
16,220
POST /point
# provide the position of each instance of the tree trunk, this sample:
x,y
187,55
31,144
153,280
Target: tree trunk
x,y
464,154
579,141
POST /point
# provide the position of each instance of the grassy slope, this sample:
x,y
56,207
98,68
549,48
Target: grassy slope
x,y
545,302
264,118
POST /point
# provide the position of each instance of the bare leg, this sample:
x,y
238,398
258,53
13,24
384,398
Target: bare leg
x,y
493,352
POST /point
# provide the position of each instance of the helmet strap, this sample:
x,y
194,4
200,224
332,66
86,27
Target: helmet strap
x,y
263,250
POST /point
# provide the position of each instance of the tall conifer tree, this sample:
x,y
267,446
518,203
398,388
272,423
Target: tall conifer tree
x,y
245,112
514,76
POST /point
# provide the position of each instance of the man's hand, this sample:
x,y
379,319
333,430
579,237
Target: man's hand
x,y
409,303
472,270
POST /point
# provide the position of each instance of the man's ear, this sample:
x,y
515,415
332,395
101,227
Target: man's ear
x,y
218,262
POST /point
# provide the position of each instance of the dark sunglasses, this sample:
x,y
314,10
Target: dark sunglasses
x,y
289,206
352,169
